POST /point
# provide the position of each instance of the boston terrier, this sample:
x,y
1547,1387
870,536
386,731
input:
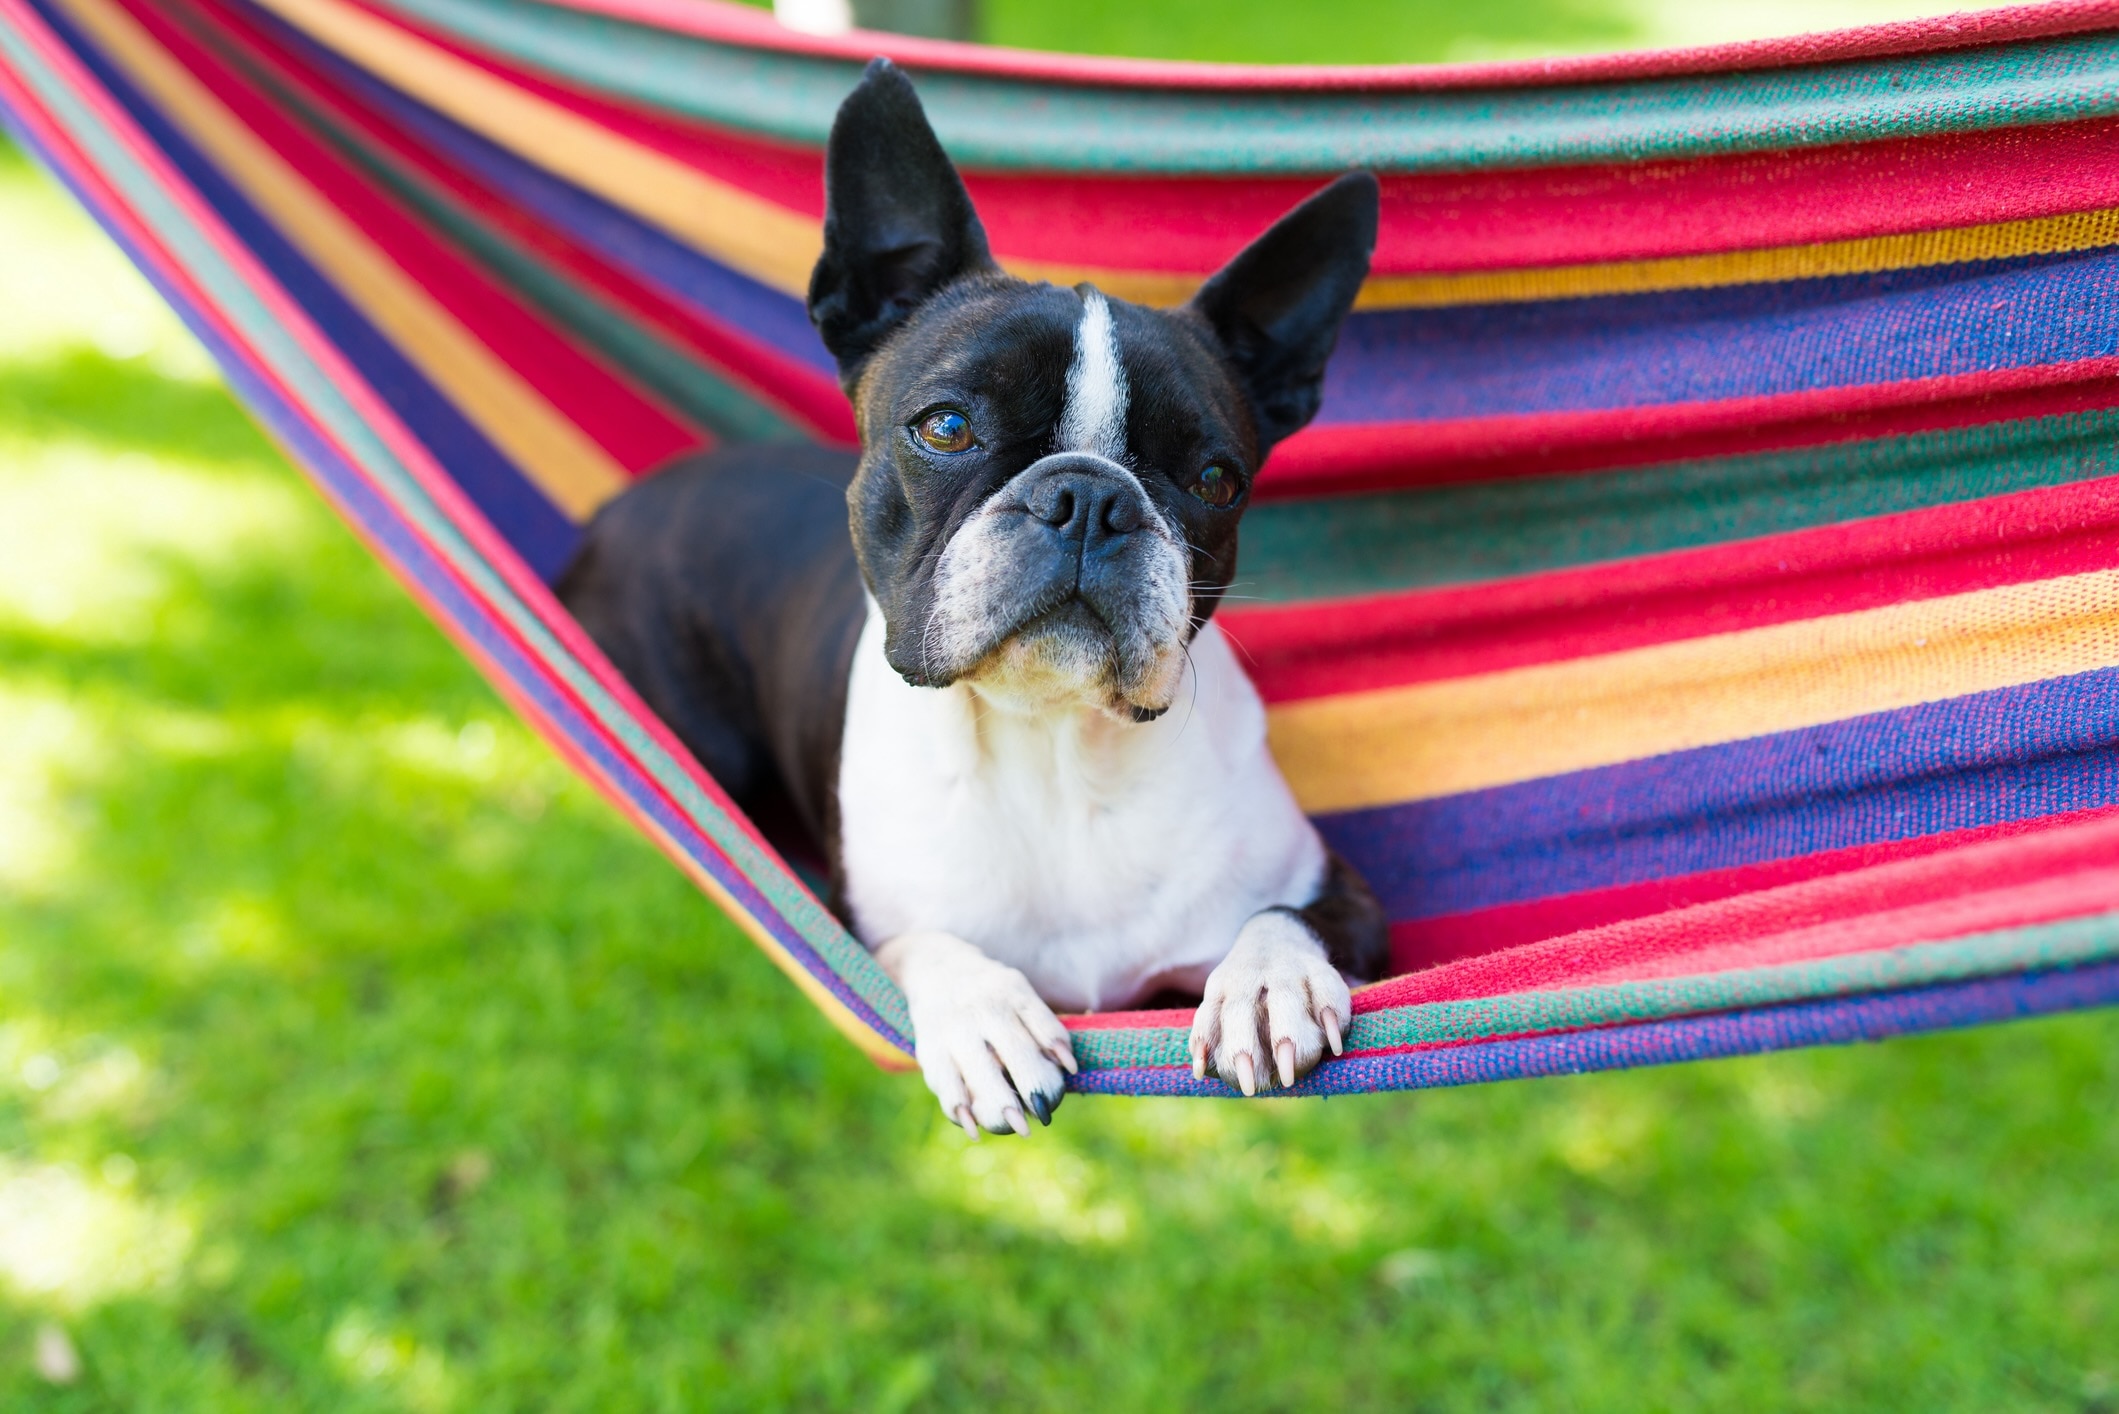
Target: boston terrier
x,y
1000,707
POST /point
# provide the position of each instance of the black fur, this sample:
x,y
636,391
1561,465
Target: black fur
x,y
898,224
727,589
1277,307
1348,920
724,590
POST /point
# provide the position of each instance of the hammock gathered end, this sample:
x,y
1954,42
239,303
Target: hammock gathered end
x,y
1695,610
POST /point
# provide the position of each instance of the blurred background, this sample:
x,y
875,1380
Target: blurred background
x,y
1347,31
353,1056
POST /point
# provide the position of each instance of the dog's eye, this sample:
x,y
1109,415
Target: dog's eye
x,y
1217,486
946,431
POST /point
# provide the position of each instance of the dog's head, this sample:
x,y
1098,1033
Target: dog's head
x,y
1051,479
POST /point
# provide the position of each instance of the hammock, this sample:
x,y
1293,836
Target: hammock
x,y
1696,609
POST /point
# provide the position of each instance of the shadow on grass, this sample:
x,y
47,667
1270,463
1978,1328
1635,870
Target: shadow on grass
x,y
353,1056
445,1092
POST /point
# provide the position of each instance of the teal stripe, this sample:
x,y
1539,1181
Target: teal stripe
x,y
661,368
1002,124
1347,545
319,395
2069,944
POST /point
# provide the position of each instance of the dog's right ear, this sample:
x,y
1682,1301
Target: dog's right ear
x,y
898,224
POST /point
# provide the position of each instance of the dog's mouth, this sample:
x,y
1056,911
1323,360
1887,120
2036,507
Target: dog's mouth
x,y
1069,652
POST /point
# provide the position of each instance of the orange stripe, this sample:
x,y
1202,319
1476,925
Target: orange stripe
x,y
1432,739
777,246
567,465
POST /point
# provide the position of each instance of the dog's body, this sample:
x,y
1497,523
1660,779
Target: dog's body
x,y
992,692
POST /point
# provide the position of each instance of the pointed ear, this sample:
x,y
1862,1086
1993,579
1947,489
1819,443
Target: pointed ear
x,y
898,224
1277,307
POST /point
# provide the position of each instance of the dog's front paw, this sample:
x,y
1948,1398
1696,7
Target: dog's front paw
x,y
987,1044
1275,995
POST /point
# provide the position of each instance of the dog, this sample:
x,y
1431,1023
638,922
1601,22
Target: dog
x,y
977,665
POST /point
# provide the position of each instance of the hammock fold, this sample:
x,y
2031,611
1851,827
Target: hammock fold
x,y
1695,610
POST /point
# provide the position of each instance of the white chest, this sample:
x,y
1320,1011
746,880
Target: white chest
x,y
1103,859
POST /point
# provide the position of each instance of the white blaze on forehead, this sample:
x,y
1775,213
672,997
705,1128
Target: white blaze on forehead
x,y
1094,419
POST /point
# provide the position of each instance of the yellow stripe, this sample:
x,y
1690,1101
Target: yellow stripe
x,y
760,238
2050,235
565,463
776,246
1432,739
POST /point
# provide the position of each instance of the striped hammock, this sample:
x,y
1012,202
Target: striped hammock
x,y
1696,609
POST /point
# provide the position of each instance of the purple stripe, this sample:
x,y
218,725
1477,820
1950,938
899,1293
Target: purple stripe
x,y
537,529
401,543
1836,1022
712,291
2017,753
1699,345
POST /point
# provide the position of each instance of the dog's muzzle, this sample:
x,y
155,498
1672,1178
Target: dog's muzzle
x,y
1072,569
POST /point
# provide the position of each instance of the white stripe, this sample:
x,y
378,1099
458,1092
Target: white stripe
x,y
1094,419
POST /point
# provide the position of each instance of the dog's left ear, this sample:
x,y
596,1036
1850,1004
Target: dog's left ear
x,y
1277,307
898,224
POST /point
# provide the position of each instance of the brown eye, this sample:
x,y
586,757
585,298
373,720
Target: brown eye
x,y
946,431
1217,486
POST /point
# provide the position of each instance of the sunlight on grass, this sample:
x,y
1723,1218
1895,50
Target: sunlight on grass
x,y
60,290
69,1242
131,521
356,1056
366,1353
1042,1189
50,743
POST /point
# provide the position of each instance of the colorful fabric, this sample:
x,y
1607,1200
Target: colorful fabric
x,y
1696,608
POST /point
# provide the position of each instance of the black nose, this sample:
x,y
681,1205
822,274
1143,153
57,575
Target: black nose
x,y
1085,505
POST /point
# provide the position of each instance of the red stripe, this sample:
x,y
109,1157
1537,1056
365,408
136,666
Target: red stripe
x,y
1448,221
1430,942
374,414
749,28
1562,941
1339,458
636,430
785,173
803,393
496,556
1355,645
1546,216
2004,883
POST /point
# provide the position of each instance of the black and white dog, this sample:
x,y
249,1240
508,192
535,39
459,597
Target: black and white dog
x,y
1034,764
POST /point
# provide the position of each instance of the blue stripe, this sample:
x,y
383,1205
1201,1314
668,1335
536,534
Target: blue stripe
x,y
1682,346
403,546
2017,753
709,289
1837,1022
537,529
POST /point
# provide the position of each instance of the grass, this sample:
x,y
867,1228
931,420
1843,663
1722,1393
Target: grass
x,y
1411,31
354,1057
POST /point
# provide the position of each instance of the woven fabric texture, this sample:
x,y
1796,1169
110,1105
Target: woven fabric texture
x,y
1696,608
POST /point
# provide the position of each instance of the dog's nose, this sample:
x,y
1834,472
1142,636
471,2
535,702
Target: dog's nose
x,y
1086,505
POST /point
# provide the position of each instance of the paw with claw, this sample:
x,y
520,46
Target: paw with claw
x,y
989,1047
1271,1007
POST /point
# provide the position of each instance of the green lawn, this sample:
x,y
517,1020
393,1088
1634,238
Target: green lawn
x,y
352,1056
1411,31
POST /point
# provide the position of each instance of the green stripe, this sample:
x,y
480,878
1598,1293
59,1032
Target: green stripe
x,y
2052,945
320,396
1348,545
663,369
1000,123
